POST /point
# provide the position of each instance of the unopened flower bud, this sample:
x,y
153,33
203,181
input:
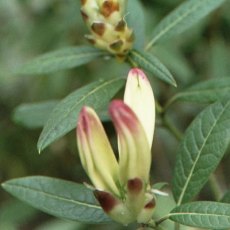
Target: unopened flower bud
x,y
109,31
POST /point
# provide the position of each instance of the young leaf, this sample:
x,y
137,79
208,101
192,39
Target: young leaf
x,y
134,11
33,115
205,92
64,116
153,65
203,215
182,18
201,150
61,59
57,197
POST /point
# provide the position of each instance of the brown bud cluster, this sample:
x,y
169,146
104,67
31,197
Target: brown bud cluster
x,y
109,30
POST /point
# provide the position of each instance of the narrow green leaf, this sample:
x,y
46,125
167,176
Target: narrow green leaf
x,y
33,115
61,59
57,197
152,64
183,17
134,11
64,116
205,92
201,150
203,214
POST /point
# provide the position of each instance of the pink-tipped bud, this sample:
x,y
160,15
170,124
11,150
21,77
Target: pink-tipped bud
x,y
139,96
134,150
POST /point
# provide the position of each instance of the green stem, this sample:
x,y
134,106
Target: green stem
x,y
177,226
132,62
172,128
161,220
215,187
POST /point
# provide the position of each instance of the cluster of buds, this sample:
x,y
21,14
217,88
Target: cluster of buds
x,y
109,31
122,186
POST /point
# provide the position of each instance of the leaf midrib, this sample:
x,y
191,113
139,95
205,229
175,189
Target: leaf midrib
x,y
198,156
191,93
69,56
51,195
177,21
198,214
75,105
139,55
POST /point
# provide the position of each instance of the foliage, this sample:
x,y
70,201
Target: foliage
x,y
43,84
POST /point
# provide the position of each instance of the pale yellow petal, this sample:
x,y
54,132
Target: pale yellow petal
x,y
134,149
96,154
139,96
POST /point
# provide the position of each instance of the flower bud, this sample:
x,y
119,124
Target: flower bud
x,y
139,96
105,20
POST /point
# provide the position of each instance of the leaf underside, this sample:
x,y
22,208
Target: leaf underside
x,y
201,150
57,197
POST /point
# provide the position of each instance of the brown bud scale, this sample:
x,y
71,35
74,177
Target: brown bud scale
x,y
108,8
117,45
120,26
98,28
84,15
83,2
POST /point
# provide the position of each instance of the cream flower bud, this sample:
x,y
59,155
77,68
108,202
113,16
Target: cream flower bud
x,y
121,187
139,96
95,151
133,143
109,31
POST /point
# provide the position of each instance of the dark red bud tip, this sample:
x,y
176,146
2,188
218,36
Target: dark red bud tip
x,y
135,185
84,120
106,200
98,28
151,204
109,7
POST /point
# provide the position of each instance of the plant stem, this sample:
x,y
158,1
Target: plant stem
x,y
177,226
161,220
215,187
172,128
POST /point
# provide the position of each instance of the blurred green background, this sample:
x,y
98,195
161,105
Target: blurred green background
x,y
29,28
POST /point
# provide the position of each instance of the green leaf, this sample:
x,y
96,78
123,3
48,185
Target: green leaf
x,y
64,116
61,59
182,18
205,92
153,65
201,150
57,197
203,214
134,11
33,115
